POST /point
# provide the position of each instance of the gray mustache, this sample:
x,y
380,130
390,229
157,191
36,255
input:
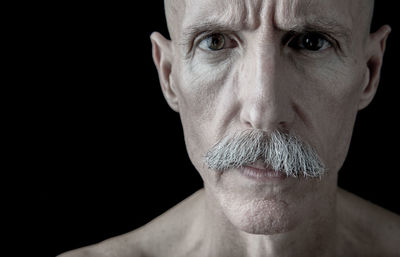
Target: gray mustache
x,y
277,150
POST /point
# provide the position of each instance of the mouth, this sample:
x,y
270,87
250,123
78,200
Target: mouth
x,y
261,173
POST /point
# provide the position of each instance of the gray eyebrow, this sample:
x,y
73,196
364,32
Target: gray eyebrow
x,y
189,33
318,23
192,31
323,25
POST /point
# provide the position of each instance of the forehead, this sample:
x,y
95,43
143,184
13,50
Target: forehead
x,y
280,13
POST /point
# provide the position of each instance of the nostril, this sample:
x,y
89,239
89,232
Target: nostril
x,y
283,126
248,124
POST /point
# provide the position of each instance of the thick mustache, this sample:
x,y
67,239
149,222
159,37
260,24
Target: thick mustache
x,y
278,150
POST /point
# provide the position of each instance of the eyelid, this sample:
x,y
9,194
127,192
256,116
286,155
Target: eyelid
x,y
228,37
203,36
204,39
206,34
288,37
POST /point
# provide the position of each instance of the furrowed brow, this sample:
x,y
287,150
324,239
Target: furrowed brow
x,y
330,27
192,31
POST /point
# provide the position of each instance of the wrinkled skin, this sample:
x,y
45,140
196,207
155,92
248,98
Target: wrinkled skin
x,y
263,77
258,81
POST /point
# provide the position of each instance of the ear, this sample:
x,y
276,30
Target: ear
x,y
162,57
375,50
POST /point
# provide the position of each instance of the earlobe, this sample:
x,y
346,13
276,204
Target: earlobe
x,y
375,51
162,57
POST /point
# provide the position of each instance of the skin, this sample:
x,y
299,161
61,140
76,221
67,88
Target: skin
x,y
259,81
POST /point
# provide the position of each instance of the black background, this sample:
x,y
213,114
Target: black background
x,y
102,152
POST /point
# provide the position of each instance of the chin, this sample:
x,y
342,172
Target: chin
x,y
266,217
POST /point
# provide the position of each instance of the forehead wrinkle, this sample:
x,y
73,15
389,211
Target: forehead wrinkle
x,y
229,14
211,16
300,16
322,24
313,12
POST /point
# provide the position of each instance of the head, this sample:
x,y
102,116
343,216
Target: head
x,y
236,69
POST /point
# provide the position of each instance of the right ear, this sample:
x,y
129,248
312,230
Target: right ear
x,y
162,57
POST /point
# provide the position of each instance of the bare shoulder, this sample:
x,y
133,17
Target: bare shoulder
x,y
368,226
171,234
121,246
160,236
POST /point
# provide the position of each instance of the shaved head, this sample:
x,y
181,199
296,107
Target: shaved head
x,y
174,9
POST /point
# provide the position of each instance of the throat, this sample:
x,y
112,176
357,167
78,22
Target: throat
x,y
316,236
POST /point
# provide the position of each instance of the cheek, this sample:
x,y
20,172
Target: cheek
x,y
333,109
201,83
199,87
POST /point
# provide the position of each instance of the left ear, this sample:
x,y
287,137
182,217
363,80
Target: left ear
x,y
375,50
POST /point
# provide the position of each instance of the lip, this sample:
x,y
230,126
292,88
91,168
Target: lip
x,y
262,174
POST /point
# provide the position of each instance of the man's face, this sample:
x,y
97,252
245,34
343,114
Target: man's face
x,y
295,66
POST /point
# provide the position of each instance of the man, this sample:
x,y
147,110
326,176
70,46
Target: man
x,y
268,92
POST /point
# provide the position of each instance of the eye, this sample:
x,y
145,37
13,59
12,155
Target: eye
x,y
213,42
310,41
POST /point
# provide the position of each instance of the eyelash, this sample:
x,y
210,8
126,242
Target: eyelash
x,y
294,39
211,33
287,40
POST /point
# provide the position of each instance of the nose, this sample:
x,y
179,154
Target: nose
x,y
265,95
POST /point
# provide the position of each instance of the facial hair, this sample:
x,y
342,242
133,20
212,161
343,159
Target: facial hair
x,y
278,151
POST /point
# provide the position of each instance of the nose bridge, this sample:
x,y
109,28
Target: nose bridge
x,y
266,69
265,102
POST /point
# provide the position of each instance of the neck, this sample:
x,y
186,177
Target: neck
x,y
315,236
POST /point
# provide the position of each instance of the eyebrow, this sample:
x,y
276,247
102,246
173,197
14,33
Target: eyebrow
x,y
318,24
190,32
324,25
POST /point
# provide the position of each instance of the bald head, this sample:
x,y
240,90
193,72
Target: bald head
x,y
174,10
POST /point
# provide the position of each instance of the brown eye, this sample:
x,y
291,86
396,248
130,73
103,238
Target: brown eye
x,y
214,42
310,41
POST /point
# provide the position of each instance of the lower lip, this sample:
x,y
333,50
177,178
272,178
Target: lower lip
x,y
263,175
